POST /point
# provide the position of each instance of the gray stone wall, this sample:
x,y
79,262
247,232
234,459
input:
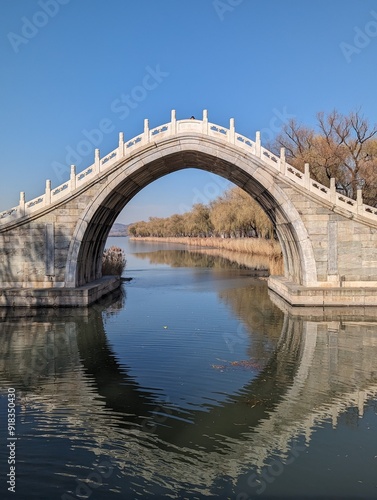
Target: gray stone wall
x,y
57,239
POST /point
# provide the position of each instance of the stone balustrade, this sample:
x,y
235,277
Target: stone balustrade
x,y
174,127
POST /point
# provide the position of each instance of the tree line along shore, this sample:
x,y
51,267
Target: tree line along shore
x,y
233,221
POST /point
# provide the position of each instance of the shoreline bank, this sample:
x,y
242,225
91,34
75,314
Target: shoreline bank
x,y
253,254
251,246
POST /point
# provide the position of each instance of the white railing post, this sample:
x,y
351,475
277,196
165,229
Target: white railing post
x,y
307,175
146,130
21,207
205,122
332,190
73,177
231,135
121,145
359,199
173,121
47,199
97,160
257,144
282,160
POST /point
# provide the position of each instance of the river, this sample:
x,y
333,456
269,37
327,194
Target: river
x,y
192,382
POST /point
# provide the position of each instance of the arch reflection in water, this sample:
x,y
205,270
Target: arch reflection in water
x,y
262,265
77,395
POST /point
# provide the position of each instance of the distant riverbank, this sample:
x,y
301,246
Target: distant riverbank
x,y
254,253
251,246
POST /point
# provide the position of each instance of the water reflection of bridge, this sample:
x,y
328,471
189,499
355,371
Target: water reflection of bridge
x,y
320,367
262,265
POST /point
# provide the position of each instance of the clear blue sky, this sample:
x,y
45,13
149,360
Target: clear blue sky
x,y
67,63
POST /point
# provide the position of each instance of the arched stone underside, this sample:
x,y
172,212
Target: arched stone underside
x,y
135,174
51,247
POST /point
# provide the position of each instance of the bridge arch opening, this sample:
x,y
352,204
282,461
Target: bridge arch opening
x,y
84,263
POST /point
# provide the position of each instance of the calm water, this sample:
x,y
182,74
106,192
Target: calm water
x,y
192,383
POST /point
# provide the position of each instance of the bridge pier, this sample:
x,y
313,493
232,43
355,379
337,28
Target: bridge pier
x,y
322,296
59,296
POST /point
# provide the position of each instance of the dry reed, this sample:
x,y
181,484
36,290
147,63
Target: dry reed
x,y
113,261
252,246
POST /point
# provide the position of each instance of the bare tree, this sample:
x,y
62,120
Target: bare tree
x,y
341,146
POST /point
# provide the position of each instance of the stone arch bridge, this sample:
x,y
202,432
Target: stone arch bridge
x,y
51,247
